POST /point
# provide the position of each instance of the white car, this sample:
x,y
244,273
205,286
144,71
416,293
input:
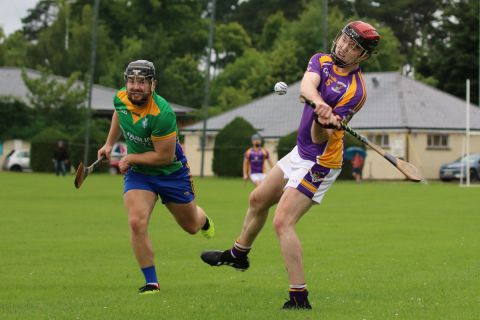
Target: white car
x,y
17,160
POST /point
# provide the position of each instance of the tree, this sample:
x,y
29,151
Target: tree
x,y
39,18
58,104
237,76
51,51
451,53
271,30
388,56
16,119
253,14
231,40
183,82
13,50
407,18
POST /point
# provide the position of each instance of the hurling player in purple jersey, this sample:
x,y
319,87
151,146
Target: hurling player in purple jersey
x,y
254,161
300,179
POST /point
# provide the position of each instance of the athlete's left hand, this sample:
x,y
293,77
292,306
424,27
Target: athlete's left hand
x,y
334,121
123,165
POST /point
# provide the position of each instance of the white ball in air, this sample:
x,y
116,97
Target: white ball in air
x,y
280,88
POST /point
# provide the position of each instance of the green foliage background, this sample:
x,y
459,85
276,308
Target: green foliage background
x,y
283,34
230,144
42,148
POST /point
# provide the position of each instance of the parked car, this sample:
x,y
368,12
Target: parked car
x,y
457,169
119,150
17,160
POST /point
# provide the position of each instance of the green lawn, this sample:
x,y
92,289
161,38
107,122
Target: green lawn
x,y
372,251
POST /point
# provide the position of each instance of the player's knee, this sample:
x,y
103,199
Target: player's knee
x,y
255,201
278,225
281,223
137,224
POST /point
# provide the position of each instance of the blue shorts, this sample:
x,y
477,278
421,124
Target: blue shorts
x,y
176,187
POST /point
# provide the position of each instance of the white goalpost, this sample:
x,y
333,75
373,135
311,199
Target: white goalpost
x,y
466,141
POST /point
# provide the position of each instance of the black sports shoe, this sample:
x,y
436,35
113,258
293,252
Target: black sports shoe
x,y
293,305
220,258
149,289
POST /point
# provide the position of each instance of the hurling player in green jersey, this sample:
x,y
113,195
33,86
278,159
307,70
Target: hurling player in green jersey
x,y
155,165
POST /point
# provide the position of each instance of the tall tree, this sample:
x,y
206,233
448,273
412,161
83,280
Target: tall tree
x,y
183,82
231,40
451,52
407,18
39,18
51,51
57,103
253,14
271,30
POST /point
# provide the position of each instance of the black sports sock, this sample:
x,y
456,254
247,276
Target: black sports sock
x,y
206,225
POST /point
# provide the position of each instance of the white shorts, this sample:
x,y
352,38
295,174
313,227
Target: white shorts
x,y
306,176
257,177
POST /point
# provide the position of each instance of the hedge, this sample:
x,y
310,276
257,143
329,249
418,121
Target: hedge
x,y
43,146
230,144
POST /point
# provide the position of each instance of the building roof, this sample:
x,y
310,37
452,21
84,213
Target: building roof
x,y
11,84
393,102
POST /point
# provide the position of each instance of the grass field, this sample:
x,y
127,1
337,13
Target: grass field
x,y
372,251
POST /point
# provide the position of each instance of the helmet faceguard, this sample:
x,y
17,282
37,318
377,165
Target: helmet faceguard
x,y
363,35
137,72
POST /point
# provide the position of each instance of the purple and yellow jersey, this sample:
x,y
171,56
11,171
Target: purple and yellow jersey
x,y
256,159
345,93
156,121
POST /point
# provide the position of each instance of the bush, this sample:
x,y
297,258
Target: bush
x,y
286,144
230,144
43,146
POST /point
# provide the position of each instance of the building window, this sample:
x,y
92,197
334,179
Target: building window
x,y
380,139
437,141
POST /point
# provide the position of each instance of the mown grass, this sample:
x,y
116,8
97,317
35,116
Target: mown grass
x,y
393,250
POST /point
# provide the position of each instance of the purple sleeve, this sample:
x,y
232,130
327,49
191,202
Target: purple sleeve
x,y
314,64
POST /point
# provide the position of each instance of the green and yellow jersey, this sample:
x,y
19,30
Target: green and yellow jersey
x,y
140,126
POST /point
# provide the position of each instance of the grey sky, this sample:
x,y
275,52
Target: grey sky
x,y
11,13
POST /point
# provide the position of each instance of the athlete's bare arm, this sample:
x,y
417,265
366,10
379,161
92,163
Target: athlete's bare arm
x,y
113,136
163,154
245,167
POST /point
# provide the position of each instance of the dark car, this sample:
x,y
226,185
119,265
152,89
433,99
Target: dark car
x,y
458,168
